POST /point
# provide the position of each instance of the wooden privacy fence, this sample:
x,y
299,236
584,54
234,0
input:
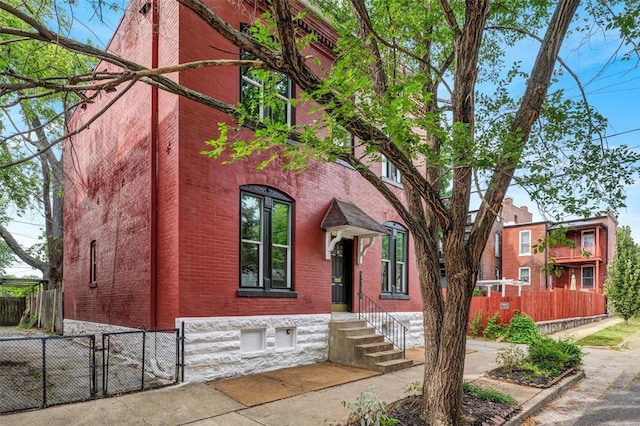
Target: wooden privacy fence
x,y
46,306
11,310
541,305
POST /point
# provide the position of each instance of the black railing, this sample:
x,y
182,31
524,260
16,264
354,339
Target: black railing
x,y
384,323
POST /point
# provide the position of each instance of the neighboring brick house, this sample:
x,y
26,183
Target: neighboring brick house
x,y
490,267
254,263
582,267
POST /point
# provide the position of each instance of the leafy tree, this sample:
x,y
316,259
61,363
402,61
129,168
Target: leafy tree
x,y
32,118
429,90
622,285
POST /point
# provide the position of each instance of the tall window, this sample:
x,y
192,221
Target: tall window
x,y
266,238
390,171
394,259
265,94
93,263
587,277
496,244
524,274
588,238
525,242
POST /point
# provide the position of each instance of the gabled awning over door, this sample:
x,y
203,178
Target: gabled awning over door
x,y
346,220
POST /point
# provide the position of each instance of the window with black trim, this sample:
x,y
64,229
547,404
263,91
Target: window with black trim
x,y
266,239
93,264
390,171
265,94
394,259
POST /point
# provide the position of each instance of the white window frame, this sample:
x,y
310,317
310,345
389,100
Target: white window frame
x,y
521,270
593,238
520,243
496,245
593,277
390,171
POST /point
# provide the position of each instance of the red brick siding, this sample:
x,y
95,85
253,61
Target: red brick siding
x,y
512,261
198,201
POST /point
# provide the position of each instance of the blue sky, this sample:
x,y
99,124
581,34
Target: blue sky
x,y
615,93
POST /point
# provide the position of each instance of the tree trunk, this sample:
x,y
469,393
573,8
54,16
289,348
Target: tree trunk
x,y
445,337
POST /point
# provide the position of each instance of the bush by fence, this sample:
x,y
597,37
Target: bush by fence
x,y
541,305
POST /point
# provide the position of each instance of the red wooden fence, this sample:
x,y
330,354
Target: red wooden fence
x,y
540,305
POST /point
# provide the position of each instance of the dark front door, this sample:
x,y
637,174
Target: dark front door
x,y
341,268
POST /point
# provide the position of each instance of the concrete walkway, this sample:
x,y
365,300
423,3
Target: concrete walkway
x,y
308,395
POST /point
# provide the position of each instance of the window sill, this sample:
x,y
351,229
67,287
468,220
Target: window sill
x,y
394,296
344,164
93,285
392,182
283,294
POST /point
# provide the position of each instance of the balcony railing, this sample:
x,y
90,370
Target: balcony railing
x,y
578,252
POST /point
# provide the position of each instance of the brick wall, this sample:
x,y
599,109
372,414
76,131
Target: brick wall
x,y
108,199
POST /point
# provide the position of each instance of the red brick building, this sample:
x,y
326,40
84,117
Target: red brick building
x,y
157,233
580,265
253,262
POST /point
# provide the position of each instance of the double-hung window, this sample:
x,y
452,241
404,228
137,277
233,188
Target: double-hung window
x,y
266,240
390,171
525,243
524,274
265,95
587,277
394,260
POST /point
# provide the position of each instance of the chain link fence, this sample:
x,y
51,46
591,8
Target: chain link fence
x,y
37,372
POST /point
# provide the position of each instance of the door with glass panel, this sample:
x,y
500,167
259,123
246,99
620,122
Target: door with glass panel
x,y
341,271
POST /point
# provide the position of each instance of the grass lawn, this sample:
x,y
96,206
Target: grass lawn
x,y
612,336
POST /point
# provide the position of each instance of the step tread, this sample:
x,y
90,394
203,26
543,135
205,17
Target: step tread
x,y
355,328
395,362
375,344
384,353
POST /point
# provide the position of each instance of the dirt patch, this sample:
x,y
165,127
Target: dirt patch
x,y
475,411
288,382
525,377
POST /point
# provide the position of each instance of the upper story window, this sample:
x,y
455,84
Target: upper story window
x,y
524,274
525,243
390,171
394,259
266,241
265,94
588,238
496,244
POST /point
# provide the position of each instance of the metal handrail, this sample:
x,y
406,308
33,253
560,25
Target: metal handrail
x,y
383,322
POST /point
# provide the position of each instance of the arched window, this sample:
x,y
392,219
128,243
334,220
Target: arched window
x,y
394,259
266,239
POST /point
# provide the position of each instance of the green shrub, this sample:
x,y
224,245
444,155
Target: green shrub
x,y
494,329
479,293
546,354
522,329
511,358
475,326
491,395
573,351
369,410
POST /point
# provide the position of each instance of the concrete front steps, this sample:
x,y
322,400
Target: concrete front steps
x,y
353,342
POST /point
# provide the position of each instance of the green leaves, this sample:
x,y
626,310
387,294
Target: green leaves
x,y
622,285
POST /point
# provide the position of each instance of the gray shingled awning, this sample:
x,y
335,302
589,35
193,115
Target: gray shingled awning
x,y
346,220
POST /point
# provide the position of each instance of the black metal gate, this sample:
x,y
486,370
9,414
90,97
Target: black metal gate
x,y
37,372
140,360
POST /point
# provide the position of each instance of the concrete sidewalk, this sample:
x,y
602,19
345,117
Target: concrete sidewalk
x,y
307,395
